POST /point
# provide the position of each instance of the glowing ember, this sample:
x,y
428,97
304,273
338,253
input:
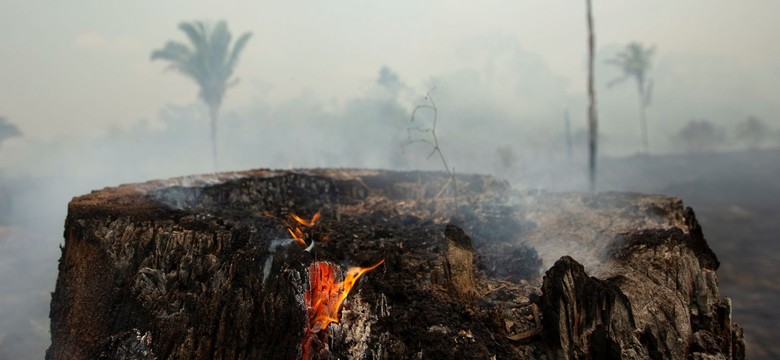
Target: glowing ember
x,y
325,296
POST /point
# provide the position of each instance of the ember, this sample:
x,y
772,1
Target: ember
x,y
324,297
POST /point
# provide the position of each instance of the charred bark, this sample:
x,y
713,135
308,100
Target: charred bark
x,y
585,317
191,268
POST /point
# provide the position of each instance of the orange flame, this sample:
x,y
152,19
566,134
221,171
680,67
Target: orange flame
x,y
304,222
325,295
297,234
323,301
295,231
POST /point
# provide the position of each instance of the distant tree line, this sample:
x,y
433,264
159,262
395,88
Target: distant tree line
x,y
701,135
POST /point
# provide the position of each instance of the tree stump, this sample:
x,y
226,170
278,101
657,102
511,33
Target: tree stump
x,y
217,267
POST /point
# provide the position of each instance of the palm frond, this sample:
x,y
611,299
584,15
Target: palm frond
x,y
196,33
635,61
219,44
173,51
238,47
209,60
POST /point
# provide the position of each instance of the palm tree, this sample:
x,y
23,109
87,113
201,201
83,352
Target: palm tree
x,y
634,60
7,130
210,62
592,118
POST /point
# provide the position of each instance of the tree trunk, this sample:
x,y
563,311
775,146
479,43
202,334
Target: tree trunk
x,y
643,119
592,118
567,131
213,117
191,268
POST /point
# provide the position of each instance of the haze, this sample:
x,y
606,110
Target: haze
x,y
333,84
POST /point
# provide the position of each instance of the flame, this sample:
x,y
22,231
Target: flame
x,y
295,231
297,234
272,216
304,222
325,296
323,300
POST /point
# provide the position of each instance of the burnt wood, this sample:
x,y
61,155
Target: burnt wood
x,y
202,268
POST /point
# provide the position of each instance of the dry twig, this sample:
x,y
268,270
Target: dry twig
x,y
433,142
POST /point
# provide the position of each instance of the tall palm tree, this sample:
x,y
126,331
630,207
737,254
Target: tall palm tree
x,y
592,118
209,61
634,60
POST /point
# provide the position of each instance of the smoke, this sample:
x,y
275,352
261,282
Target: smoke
x,y
503,114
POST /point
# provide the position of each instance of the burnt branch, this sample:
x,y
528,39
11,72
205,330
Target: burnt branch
x,y
433,141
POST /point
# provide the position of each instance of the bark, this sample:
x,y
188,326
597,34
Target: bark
x,y
190,268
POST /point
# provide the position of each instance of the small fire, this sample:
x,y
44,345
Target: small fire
x,y
295,230
304,222
297,234
325,296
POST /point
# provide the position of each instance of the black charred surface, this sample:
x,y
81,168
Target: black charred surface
x,y
706,256
659,300
495,230
190,268
585,317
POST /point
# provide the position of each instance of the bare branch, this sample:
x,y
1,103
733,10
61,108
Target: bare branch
x,y
435,149
414,141
418,107
449,180
417,128
434,142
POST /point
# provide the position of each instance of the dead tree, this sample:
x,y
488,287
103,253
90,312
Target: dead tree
x,y
593,128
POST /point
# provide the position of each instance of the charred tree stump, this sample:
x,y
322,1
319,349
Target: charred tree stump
x,y
358,264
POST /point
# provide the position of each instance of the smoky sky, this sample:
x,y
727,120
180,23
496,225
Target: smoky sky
x,y
94,72
334,85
